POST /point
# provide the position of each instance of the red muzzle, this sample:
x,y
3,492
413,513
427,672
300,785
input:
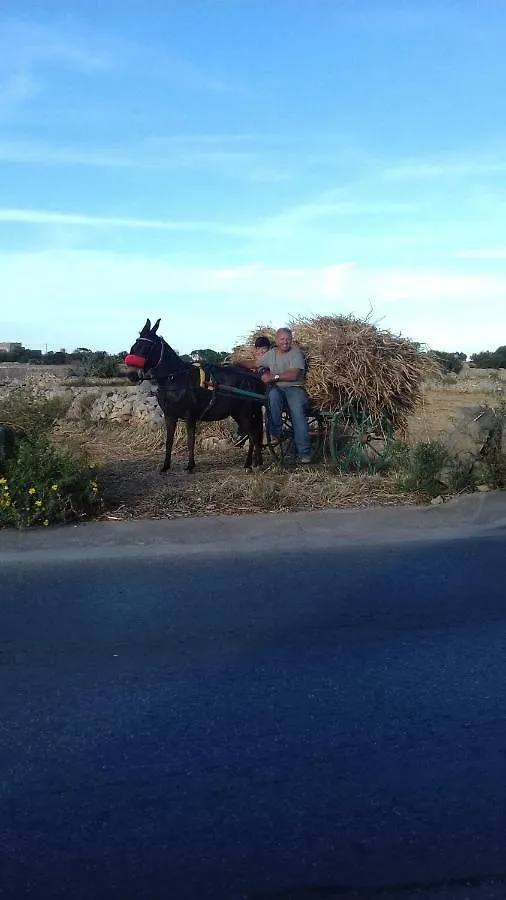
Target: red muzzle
x,y
135,362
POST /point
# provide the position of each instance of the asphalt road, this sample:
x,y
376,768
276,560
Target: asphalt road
x,y
278,726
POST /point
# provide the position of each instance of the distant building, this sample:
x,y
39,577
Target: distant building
x,y
10,347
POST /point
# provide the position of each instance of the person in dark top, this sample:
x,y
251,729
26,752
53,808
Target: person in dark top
x,y
261,346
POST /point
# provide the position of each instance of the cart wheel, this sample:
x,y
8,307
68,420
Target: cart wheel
x,y
358,441
285,450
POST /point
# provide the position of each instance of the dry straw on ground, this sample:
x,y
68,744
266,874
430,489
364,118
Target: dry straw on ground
x,y
352,361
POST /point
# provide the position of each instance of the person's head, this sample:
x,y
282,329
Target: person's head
x,y
284,339
262,345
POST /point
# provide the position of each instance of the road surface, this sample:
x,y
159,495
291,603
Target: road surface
x,y
296,724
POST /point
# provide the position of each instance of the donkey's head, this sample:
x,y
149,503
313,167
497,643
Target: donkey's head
x,y
146,351
151,353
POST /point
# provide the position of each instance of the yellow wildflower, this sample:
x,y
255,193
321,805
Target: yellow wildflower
x,y
38,503
54,487
3,481
31,490
46,522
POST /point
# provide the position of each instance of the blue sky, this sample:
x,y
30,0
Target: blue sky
x,y
221,163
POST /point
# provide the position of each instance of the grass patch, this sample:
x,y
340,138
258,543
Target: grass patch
x,y
421,469
85,404
41,483
275,491
30,414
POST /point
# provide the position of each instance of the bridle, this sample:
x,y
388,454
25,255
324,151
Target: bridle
x,y
162,351
172,375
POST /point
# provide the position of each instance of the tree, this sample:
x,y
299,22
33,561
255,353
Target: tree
x,y
490,359
55,358
33,356
101,365
450,362
215,357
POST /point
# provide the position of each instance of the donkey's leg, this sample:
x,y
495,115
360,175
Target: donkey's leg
x,y
241,415
253,426
258,438
190,437
249,456
170,425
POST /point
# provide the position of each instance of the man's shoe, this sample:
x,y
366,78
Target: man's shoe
x,y
306,460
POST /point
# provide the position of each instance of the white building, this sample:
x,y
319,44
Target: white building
x,y
10,346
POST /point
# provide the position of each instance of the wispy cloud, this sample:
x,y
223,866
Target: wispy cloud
x,y
227,155
33,55
333,205
16,90
448,166
485,253
28,44
423,303
30,54
44,218
49,154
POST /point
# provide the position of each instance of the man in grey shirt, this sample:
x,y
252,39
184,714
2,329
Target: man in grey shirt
x,y
286,376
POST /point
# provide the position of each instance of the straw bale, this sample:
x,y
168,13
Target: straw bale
x,y
352,361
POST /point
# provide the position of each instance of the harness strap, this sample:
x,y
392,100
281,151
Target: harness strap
x,y
209,383
202,374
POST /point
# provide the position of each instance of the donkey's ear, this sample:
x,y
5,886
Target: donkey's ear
x,y
155,326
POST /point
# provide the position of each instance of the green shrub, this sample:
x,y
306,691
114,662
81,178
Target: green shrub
x,y
429,469
32,415
423,467
101,365
86,402
42,485
495,468
460,477
396,456
493,456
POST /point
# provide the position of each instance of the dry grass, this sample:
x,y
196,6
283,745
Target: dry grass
x,y
352,361
440,410
134,488
129,459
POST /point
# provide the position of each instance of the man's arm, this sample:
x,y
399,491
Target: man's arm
x,y
289,375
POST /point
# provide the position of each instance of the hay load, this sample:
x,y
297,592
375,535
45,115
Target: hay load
x,y
352,361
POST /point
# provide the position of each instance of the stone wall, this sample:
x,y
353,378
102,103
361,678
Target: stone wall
x,y
124,403
19,372
131,404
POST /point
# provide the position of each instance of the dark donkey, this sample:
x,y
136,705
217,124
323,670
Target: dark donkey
x,y
180,395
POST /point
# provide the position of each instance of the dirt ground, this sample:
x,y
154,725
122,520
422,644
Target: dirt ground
x,y
128,461
441,409
130,482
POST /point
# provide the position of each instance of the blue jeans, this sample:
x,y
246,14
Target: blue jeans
x,y
296,400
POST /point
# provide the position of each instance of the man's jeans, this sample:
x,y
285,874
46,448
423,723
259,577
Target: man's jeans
x,y
296,400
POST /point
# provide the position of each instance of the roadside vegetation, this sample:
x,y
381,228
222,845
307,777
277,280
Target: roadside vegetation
x,y
67,471
41,483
